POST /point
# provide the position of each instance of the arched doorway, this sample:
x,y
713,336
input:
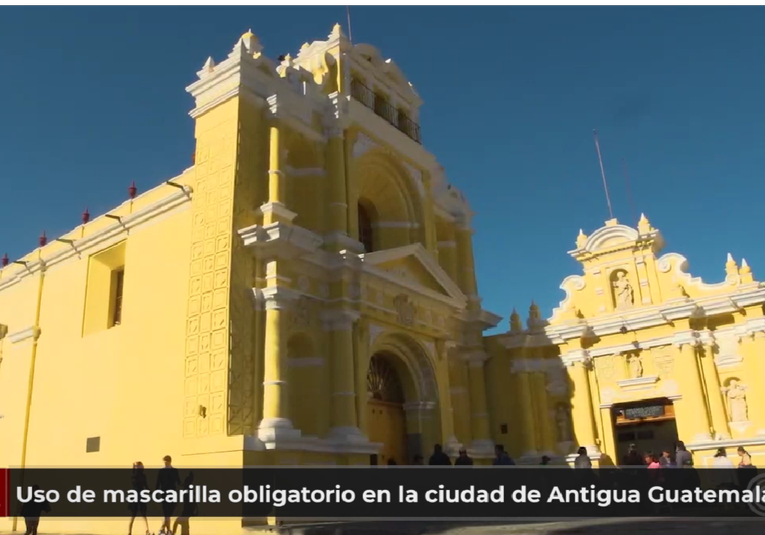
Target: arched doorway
x,y
386,418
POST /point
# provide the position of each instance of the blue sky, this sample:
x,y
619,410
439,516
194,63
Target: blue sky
x,y
94,98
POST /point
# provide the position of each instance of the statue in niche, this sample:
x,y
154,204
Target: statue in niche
x,y
623,294
564,424
735,395
636,366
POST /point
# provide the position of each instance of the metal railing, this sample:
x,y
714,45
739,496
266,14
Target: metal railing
x,y
382,108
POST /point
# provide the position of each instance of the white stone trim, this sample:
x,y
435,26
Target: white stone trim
x,y
728,443
32,332
638,383
80,246
447,244
428,262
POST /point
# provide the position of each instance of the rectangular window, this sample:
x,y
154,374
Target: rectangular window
x,y
104,291
119,279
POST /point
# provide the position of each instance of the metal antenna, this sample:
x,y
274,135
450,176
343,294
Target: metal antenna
x,y
629,193
348,13
603,174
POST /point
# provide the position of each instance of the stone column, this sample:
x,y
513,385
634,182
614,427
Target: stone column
x,y
338,200
451,444
479,416
344,419
275,210
714,394
544,418
465,263
276,423
527,408
459,396
691,410
577,363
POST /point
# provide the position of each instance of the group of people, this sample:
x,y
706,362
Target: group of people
x,y
439,458
680,457
167,479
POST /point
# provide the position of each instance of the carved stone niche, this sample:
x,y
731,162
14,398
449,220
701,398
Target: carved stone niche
x,y
622,290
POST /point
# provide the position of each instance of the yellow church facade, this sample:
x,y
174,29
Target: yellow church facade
x,y
305,293
639,352
294,297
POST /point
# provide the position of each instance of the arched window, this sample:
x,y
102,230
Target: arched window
x,y
366,235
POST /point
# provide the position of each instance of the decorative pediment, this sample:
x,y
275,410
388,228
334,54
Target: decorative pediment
x,y
413,266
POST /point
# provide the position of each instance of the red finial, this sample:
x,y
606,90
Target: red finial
x,y
132,190
43,239
5,260
85,216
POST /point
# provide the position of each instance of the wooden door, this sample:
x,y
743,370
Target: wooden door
x,y
386,419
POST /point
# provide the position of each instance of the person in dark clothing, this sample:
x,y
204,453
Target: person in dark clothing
x,y
463,459
501,457
633,457
545,460
439,458
190,508
31,512
167,479
139,483
392,462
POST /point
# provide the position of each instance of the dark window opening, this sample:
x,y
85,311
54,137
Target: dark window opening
x,y
366,235
119,281
503,429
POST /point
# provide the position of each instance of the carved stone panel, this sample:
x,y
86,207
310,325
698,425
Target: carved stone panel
x,y
406,310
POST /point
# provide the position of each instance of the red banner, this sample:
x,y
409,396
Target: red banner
x,y
5,493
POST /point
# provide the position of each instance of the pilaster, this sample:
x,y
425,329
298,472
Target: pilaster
x,y
577,363
712,381
691,411
530,444
276,425
340,323
479,417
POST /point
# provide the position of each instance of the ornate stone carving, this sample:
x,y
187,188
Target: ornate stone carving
x,y
301,314
604,367
406,309
623,294
735,395
665,365
635,366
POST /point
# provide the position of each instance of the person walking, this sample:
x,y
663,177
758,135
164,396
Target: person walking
x,y
190,508
439,458
501,458
666,459
31,512
167,479
633,457
463,459
683,458
139,483
582,459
